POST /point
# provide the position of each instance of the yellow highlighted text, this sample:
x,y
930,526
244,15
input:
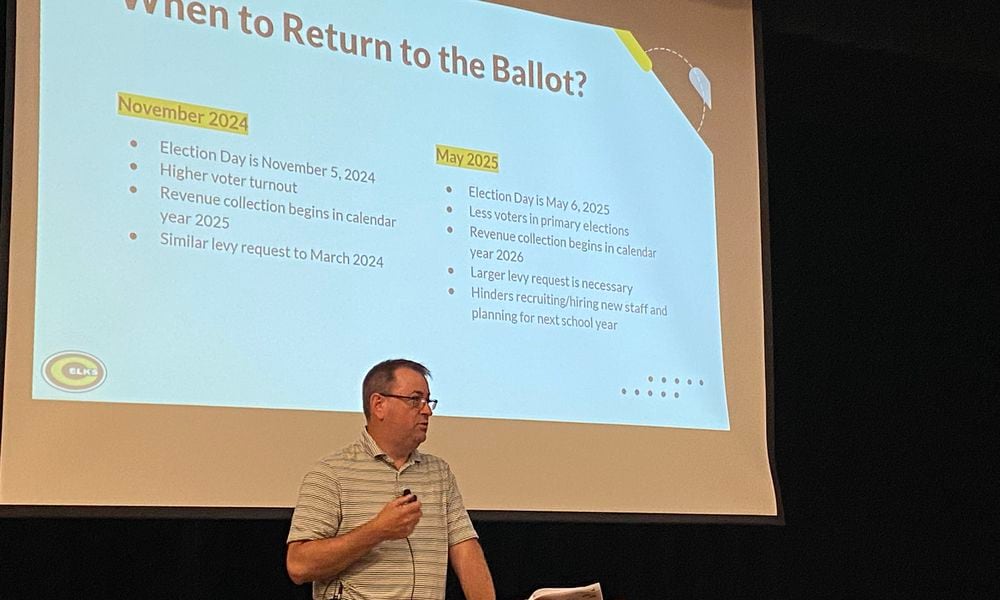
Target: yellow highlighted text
x,y
464,158
183,113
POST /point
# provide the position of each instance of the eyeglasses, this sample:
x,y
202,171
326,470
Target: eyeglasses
x,y
414,401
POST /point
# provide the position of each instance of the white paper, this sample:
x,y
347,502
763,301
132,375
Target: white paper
x,y
589,592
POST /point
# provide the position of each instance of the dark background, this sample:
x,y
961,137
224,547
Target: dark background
x,y
883,192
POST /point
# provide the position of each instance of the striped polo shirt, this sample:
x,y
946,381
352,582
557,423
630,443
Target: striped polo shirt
x,y
348,488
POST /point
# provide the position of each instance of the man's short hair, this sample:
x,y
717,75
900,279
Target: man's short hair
x,y
382,375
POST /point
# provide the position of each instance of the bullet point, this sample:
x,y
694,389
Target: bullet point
x,y
132,236
132,189
450,229
448,189
133,143
133,166
451,290
448,209
450,270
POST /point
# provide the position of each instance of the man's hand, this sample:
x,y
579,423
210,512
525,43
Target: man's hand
x,y
325,558
399,517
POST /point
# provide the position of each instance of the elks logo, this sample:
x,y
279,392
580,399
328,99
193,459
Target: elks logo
x,y
74,371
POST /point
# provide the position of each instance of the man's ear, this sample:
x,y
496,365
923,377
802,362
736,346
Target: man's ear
x,y
376,404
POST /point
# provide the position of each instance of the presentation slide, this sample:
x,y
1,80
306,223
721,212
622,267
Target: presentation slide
x,y
224,213
491,189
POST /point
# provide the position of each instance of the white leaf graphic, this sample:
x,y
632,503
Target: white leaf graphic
x,y
701,83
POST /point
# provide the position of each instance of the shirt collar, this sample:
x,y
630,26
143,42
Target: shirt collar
x,y
372,448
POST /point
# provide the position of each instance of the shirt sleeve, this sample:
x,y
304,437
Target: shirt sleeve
x,y
317,512
459,525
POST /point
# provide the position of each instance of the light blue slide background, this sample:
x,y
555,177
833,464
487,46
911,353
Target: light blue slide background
x,y
186,326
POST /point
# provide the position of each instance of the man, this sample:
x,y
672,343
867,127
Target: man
x,y
380,520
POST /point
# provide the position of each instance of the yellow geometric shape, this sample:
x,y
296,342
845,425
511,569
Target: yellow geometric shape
x,y
632,44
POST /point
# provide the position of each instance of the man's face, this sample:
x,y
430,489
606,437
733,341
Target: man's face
x,y
403,421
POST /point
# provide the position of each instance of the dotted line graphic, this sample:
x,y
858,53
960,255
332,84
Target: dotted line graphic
x,y
663,380
704,105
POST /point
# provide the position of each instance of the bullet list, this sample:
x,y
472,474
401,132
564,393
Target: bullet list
x,y
132,189
451,270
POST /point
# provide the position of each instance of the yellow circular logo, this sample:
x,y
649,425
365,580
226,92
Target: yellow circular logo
x,y
74,371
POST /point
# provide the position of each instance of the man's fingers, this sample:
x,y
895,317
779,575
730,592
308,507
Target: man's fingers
x,y
412,512
400,501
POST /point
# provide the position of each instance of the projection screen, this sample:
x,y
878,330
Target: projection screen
x,y
223,213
